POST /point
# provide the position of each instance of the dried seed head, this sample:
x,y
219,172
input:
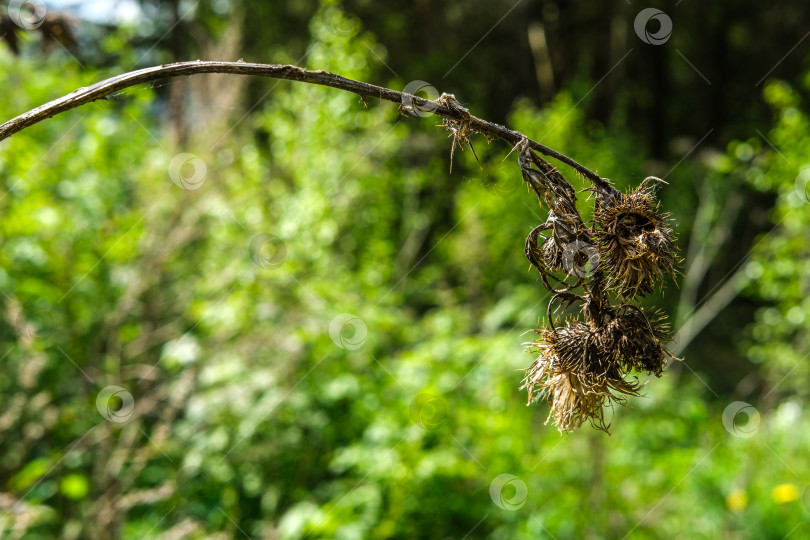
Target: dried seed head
x,y
578,372
585,365
638,340
635,241
574,399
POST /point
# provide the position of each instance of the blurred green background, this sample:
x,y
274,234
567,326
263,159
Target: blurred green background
x,y
253,308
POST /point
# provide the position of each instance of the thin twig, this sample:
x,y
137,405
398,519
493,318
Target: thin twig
x,y
104,88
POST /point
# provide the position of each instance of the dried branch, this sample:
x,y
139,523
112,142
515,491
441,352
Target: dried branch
x,y
445,109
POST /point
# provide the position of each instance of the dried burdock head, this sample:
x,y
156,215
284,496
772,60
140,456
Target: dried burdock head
x,y
635,241
638,337
572,402
627,249
578,372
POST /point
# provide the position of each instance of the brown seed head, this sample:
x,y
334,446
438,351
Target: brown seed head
x,y
578,372
635,242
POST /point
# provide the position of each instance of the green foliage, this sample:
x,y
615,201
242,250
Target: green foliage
x,y
780,264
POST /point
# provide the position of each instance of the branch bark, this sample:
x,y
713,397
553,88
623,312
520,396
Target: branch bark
x,y
109,86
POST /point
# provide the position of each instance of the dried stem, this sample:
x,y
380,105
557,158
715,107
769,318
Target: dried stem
x,y
109,86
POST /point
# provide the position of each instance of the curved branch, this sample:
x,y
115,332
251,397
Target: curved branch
x,y
104,88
